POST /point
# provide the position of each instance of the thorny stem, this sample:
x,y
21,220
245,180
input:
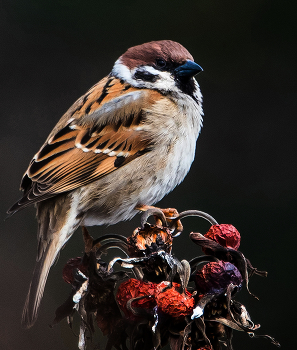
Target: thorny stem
x,y
199,213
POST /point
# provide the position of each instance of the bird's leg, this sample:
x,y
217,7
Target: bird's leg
x,y
168,212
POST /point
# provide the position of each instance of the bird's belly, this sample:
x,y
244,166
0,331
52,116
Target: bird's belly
x,y
114,197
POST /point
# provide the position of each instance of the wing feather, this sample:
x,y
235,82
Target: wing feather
x,y
106,124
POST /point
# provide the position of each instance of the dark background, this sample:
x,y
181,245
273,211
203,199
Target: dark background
x,y
245,167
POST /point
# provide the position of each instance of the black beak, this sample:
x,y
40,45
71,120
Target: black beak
x,y
188,70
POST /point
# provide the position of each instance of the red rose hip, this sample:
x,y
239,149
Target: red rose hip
x,y
224,234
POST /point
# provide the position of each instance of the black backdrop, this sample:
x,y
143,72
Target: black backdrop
x,y
245,167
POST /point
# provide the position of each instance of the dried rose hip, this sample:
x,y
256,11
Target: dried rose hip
x,y
173,303
134,288
215,277
224,234
71,265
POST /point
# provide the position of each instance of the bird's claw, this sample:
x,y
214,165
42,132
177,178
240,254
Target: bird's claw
x,y
168,212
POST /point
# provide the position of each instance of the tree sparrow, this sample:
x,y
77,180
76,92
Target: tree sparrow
x,y
127,142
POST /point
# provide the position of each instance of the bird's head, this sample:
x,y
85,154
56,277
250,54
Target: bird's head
x,y
163,65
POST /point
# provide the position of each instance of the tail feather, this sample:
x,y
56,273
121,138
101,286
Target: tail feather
x,y
37,285
57,220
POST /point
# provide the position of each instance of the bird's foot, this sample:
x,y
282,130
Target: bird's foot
x,y
170,214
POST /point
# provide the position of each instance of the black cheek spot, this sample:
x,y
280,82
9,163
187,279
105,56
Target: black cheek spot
x,y
119,161
142,74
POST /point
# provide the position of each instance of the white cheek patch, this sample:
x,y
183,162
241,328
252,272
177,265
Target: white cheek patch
x,y
165,81
151,70
121,71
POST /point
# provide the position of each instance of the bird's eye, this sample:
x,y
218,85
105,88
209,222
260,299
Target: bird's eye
x,y
161,63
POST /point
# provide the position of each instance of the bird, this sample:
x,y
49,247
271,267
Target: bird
x,y
127,142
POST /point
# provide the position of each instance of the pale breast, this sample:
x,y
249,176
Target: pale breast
x,y
147,179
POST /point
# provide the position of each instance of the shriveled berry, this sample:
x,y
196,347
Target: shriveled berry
x,y
173,303
224,234
134,288
215,277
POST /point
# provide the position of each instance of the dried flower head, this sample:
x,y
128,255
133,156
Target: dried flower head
x,y
149,239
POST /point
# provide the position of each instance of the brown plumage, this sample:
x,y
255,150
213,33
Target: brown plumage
x,y
148,53
61,166
127,142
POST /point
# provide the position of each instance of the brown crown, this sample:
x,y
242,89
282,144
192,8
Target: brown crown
x,y
146,54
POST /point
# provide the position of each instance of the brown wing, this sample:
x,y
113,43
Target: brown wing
x,y
90,141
